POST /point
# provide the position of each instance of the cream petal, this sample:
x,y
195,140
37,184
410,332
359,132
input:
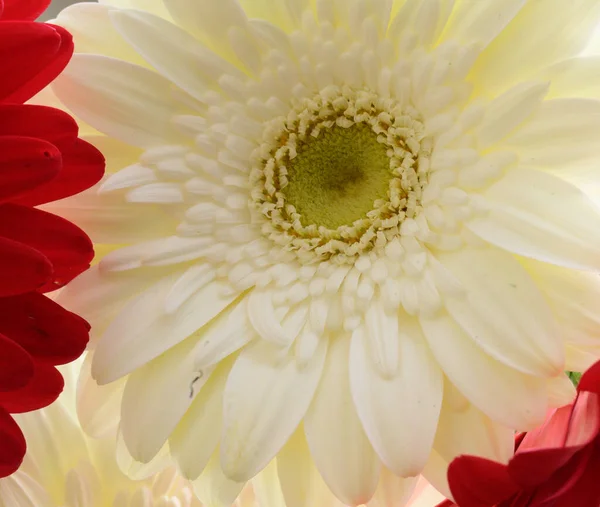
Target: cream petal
x,y
22,490
426,20
214,488
267,489
286,14
173,52
399,413
156,7
118,154
504,394
265,399
561,391
197,434
503,311
98,297
120,99
93,32
573,125
465,430
393,491
143,330
574,77
541,216
135,470
155,398
479,22
98,407
350,471
574,297
301,484
580,358
562,34
507,111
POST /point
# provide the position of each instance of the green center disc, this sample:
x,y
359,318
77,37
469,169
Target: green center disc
x,y
336,177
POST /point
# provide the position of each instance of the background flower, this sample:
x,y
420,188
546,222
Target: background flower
x,y
555,464
351,234
41,159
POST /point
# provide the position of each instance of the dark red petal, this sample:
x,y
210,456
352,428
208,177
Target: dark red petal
x,y
446,503
41,122
45,386
22,268
83,167
43,328
16,365
590,380
31,56
23,9
65,245
479,482
26,163
12,444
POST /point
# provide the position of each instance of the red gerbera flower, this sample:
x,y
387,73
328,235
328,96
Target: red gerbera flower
x,y
41,160
556,465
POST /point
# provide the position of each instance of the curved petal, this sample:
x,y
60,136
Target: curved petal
x,y
120,99
12,443
342,452
26,11
562,34
503,311
265,399
42,390
16,365
505,394
156,397
143,329
524,218
214,488
22,268
399,413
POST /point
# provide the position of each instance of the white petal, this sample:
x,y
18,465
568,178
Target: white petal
x,y
426,20
98,297
135,470
399,413
503,310
509,110
381,339
265,399
93,32
505,394
173,52
155,7
561,391
120,99
393,491
574,77
573,296
335,436
22,490
539,215
267,489
214,488
562,34
465,430
98,407
155,398
580,358
282,13
559,134
197,435
131,176
143,330
480,22
300,481
157,193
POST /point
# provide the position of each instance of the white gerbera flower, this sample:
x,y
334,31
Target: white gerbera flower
x,y
350,231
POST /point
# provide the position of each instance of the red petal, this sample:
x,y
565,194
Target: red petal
x,y
26,163
16,366
43,328
479,482
590,380
41,122
23,9
31,56
45,386
65,245
12,444
22,269
83,167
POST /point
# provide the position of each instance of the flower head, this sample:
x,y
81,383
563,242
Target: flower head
x,y
348,231
41,159
555,464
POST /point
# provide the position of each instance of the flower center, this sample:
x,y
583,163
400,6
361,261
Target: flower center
x,y
338,175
